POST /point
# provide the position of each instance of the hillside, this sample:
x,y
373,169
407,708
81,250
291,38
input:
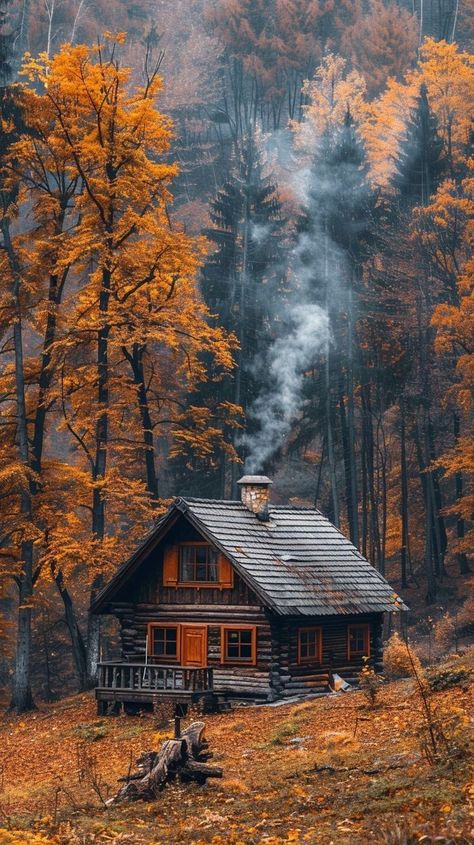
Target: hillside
x,y
322,771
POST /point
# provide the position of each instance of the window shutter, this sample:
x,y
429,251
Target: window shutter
x,y
226,574
170,566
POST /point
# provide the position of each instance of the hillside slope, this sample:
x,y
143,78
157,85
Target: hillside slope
x,y
323,771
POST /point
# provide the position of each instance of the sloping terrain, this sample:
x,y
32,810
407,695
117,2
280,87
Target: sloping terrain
x,y
331,770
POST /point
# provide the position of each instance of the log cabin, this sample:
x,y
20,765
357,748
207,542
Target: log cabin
x,y
241,599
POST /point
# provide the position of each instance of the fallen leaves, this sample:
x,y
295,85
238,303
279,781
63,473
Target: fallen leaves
x,y
270,796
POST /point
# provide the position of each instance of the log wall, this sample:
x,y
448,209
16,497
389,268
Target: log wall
x,y
247,680
288,677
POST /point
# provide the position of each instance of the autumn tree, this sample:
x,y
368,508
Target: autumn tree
x,y
108,284
382,42
18,468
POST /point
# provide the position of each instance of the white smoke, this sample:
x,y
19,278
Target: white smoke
x,y
280,404
305,322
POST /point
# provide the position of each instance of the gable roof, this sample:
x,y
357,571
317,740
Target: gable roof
x,y
297,562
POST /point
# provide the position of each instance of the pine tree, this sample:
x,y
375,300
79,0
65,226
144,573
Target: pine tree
x,y
421,162
338,224
420,166
241,278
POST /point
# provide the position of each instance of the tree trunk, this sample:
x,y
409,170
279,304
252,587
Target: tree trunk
x,y
404,498
241,332
135,359
347,465
100,466
77,641
56,287
364,490
375,550
22,697
354,525
458,480
328,403
429,550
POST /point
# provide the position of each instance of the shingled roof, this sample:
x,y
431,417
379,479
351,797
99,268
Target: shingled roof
x,y
297,562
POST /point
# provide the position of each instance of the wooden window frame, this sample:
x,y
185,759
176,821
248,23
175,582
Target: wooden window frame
x,y
229,661
177,625
364,626
319,657
180,583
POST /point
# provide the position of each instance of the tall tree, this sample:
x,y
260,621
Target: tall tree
x,y
420,165
22,698
130,276
243,275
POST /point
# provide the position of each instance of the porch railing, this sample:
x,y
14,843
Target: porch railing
x,y
141,677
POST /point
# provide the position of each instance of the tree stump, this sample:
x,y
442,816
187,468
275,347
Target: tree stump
x,y
184,758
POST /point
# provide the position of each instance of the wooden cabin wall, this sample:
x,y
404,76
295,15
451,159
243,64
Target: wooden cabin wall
x,y
247,680
288,677
146,600
147,587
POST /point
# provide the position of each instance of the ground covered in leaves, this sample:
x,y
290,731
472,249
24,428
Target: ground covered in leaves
x,y
330,770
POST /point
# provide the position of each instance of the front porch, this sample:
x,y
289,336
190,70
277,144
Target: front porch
x,y
123,683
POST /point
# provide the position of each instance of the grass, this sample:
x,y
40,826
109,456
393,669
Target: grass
x,y
283,732
91,733
344,784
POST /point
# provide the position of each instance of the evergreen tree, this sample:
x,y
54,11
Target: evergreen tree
x,y
421,162
339,222
239,283
419,171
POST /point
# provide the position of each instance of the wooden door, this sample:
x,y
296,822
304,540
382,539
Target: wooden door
x,y
194,645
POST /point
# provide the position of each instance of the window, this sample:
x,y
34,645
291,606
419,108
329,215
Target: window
x,y
358,641
239,645
310,645
198,562
163,642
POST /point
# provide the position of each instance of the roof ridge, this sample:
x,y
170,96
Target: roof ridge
x,y
272,506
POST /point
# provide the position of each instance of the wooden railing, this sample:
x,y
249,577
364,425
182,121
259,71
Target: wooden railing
x,y
143,677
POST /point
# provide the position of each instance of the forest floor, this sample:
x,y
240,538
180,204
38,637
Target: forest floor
x,y
328,770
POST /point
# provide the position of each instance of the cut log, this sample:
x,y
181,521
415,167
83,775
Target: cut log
x,y
184,757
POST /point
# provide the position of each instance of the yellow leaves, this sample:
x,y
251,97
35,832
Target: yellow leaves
x,y
117,37
23,837
331,92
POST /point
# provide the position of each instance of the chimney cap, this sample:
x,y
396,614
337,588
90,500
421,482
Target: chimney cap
x,y
262,480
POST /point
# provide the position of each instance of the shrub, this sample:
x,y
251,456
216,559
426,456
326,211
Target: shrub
x,y
455,675
369,682
445,631
397,662
465,619
447,738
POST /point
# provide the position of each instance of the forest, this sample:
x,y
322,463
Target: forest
x,y
235,236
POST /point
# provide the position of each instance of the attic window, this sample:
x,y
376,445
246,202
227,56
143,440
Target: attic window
x,y
198,562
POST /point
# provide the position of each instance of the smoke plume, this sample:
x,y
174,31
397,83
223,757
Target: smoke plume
x,y
276,408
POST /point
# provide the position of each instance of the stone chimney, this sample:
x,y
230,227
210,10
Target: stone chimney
x,y
255,495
